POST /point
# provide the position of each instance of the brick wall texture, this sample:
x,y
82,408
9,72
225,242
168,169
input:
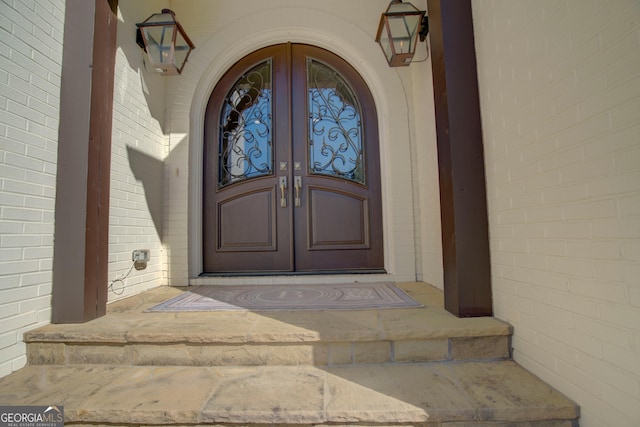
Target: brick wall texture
x,y
560,99
30,62
30,69
137,155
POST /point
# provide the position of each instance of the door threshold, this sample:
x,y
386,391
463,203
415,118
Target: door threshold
x,y
293,273
297,278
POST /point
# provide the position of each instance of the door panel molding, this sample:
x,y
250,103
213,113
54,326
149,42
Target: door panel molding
x,y
247,222
350,232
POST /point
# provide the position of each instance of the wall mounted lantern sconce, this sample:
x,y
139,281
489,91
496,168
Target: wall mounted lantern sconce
x,y
165,42
398,32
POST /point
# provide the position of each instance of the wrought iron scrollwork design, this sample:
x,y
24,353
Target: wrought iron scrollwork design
x,y
246,149
335,125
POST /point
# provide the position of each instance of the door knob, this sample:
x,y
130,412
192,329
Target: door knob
x,y
283,193
297,182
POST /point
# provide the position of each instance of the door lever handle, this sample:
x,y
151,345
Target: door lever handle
x,y
297,182
283,193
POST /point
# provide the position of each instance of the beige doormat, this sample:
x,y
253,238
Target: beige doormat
x,y
345,296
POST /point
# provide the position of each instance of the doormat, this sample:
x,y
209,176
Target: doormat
x,y
346,296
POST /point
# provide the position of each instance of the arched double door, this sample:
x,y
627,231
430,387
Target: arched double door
x,y
291,167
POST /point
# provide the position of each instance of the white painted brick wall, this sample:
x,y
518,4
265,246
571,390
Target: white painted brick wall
x,y
30,63
560,99
138,151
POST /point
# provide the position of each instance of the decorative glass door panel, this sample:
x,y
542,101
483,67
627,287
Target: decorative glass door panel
x,y
291,179
246,149
335,126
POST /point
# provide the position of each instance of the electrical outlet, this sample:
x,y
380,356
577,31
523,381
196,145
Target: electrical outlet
x,y
141,255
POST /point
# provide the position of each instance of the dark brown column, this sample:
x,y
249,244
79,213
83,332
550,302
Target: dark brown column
x,y
84,162
465,238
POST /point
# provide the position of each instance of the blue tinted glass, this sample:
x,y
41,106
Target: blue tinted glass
x,y
335,125
246,149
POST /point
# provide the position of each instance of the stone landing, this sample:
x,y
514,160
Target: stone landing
x,y
128,336
420,367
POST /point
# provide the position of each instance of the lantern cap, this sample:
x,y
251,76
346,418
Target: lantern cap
x,y
166,16
396,6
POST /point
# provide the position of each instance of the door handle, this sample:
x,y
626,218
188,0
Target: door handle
x,y
283,193
297,182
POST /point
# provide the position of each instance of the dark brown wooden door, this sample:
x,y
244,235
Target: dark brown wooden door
x,y
292,179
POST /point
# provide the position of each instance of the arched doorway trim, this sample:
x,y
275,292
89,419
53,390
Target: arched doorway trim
x,y
357,47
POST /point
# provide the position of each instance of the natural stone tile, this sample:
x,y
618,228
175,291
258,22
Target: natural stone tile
x,y
316,326
149,395
479,347
400,393
316,354
46,353
45,384
354,403
553,423
89,332
423,293
161,355
407,324
434,322
505,391
192,327
421,350
414,424
320,354
267,329
99,354
340,353
245,355
371,352
144,301
225,355
273,355
268,395
478,394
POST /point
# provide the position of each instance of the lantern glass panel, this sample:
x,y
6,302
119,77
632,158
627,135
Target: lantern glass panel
x,y
385,43
404,31
159,40
181,51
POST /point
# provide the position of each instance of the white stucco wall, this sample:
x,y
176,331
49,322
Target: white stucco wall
x,y
560,100
224,32
31,36
426,184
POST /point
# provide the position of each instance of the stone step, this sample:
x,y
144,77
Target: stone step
x,y
256,353
132,337
454,394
